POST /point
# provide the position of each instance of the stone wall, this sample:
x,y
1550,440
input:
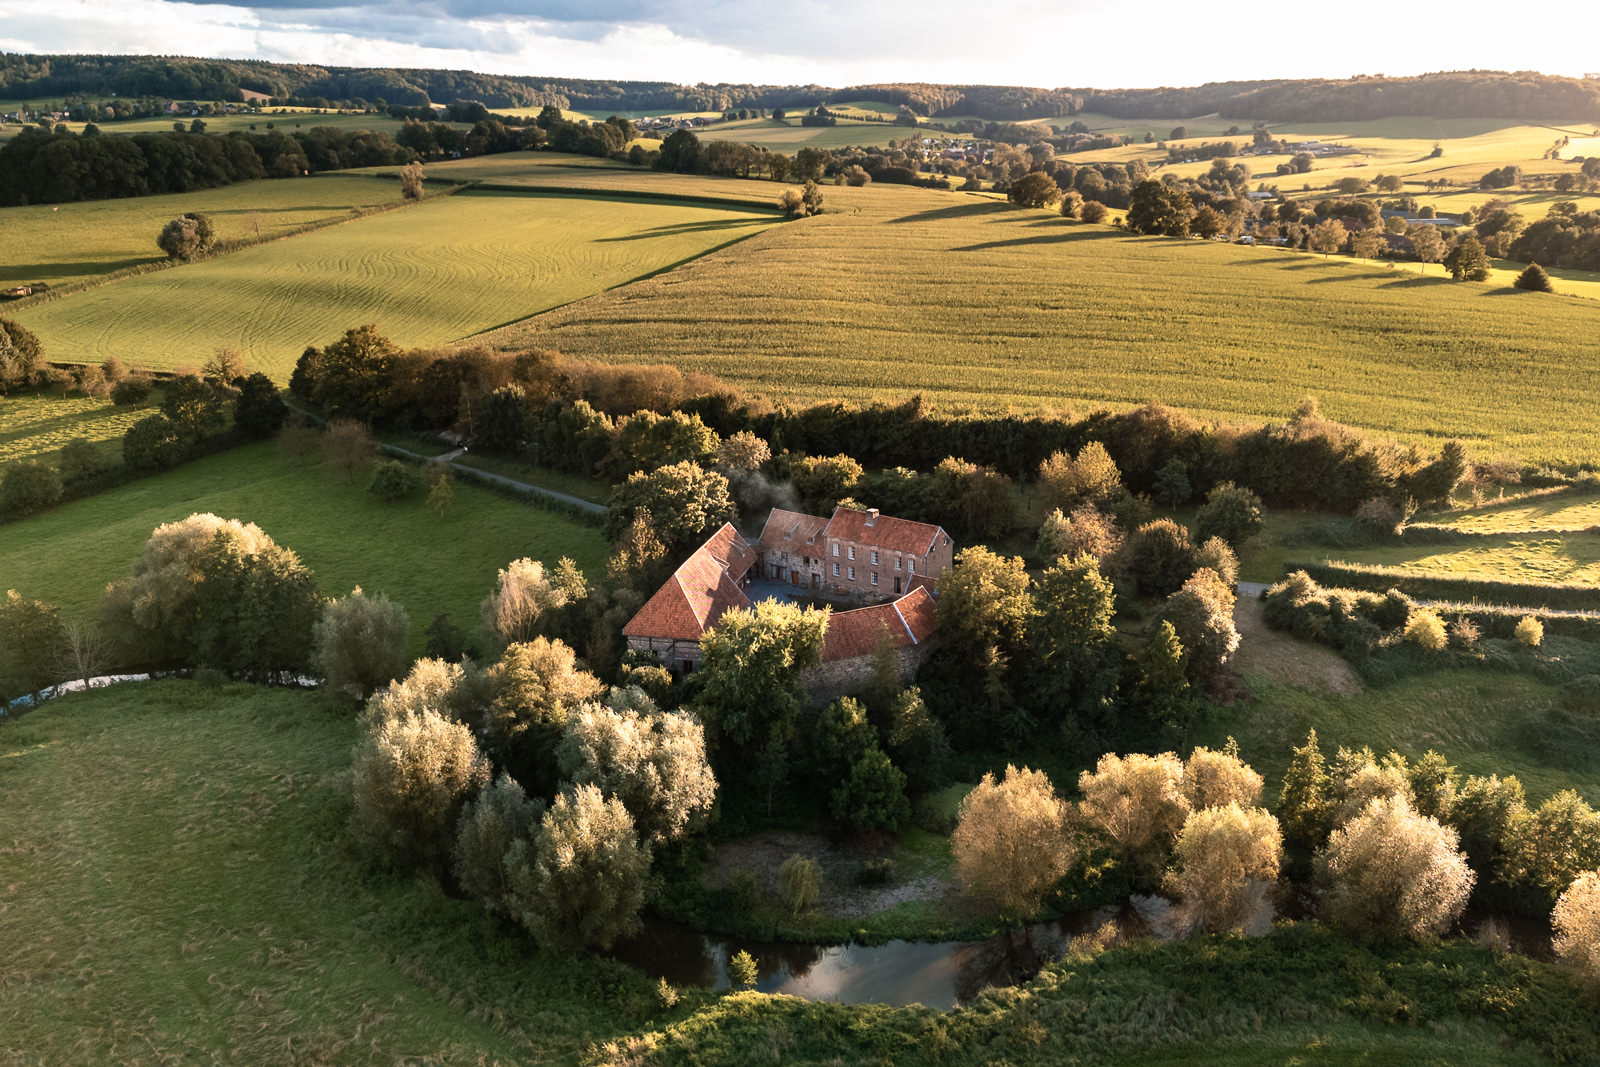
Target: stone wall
x,y
849,677
673,654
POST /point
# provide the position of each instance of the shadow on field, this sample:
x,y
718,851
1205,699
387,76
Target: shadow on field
x,y
1043,239
958,211
1418,282
685,227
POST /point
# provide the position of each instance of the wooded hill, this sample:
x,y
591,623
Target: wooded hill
x,y
1455,94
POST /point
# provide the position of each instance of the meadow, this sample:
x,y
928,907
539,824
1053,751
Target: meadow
x,y
430,564
428,274
34,425
788,136
284,119
974,304
65,243
548,170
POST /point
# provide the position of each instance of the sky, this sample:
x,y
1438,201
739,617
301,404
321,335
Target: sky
x,y
1048,43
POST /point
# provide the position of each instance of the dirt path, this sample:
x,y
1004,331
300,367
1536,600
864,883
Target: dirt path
x,y
1283,659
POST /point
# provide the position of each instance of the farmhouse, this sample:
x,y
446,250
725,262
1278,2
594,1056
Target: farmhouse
x,y
861,555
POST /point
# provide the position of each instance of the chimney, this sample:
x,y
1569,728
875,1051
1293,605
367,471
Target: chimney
x,y
872,516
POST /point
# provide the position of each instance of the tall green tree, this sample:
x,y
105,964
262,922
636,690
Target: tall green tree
x,y
1072,639
353,374
1468,261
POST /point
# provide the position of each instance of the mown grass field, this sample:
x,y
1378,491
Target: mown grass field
x,y
286,120
788,136
426,274
536,170
35,425
64,243
179,889
1564,511
431,565
897,291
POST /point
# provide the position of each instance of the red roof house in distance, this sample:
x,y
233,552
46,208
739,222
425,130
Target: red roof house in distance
x,y
708,584
855,553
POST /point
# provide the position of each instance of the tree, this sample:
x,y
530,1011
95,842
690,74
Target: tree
x,y
1391,873
1534,280
873,797
220,593
1202,615
537,686
984,604
1138,802
526,597
1327,236
1230,512
352,374
28,486
683,501
1034,190
1467,260
1576,921
1225,861
411,776
1549,847
393,480
411,181
1071,637
799,884
1172,484
811,197
500,816
653,761
1010,843
1068,482
1306,804
1207,222
360,642
1159,556
918,742
194,407
188,237
1156,208
20,354
792,203
1427,243
1086,530
1093,211
82,652
581,881
259,411
349,446
1366,244
1215,779
502,421
131,392
152,444
822,481
30,633
680,152
1163,691
224,366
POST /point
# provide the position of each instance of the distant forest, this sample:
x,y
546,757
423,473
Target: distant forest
x,y
1456,94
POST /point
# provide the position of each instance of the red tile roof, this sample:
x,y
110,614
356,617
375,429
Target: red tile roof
x,y
908,621
882,531
793,531
690,603
731,551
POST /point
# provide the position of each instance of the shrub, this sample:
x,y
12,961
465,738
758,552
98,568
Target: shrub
x,y
81,458
1231,513
1213,779
1093,211
799,884
874,796
1138,802
20,354
1159,557
259,410
581,881
1086,530
131,392
1576,921
500,816
1534,280
152,444
880,871
1425,629
1226,860
1010,842
1215,555
743,970
360,642
393,480
526,597
28,486
1464,633
187,237
1529,631
1391,873
411,776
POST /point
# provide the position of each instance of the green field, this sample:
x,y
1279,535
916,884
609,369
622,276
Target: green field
x,y
897,291
789,136
59,244
35,425
548,170
427,274
431,565
1562,511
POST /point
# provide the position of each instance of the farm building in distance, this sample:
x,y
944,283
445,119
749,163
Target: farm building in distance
x,y
858,555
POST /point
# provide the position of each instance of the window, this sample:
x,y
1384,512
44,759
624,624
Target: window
x,y
874,577
836,570
852,574
874,557
911,565
897,587
852,551
836,548
899,563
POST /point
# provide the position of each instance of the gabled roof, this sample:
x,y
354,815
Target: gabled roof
x,y
690,603
731,551
791,531
882,531
854,633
